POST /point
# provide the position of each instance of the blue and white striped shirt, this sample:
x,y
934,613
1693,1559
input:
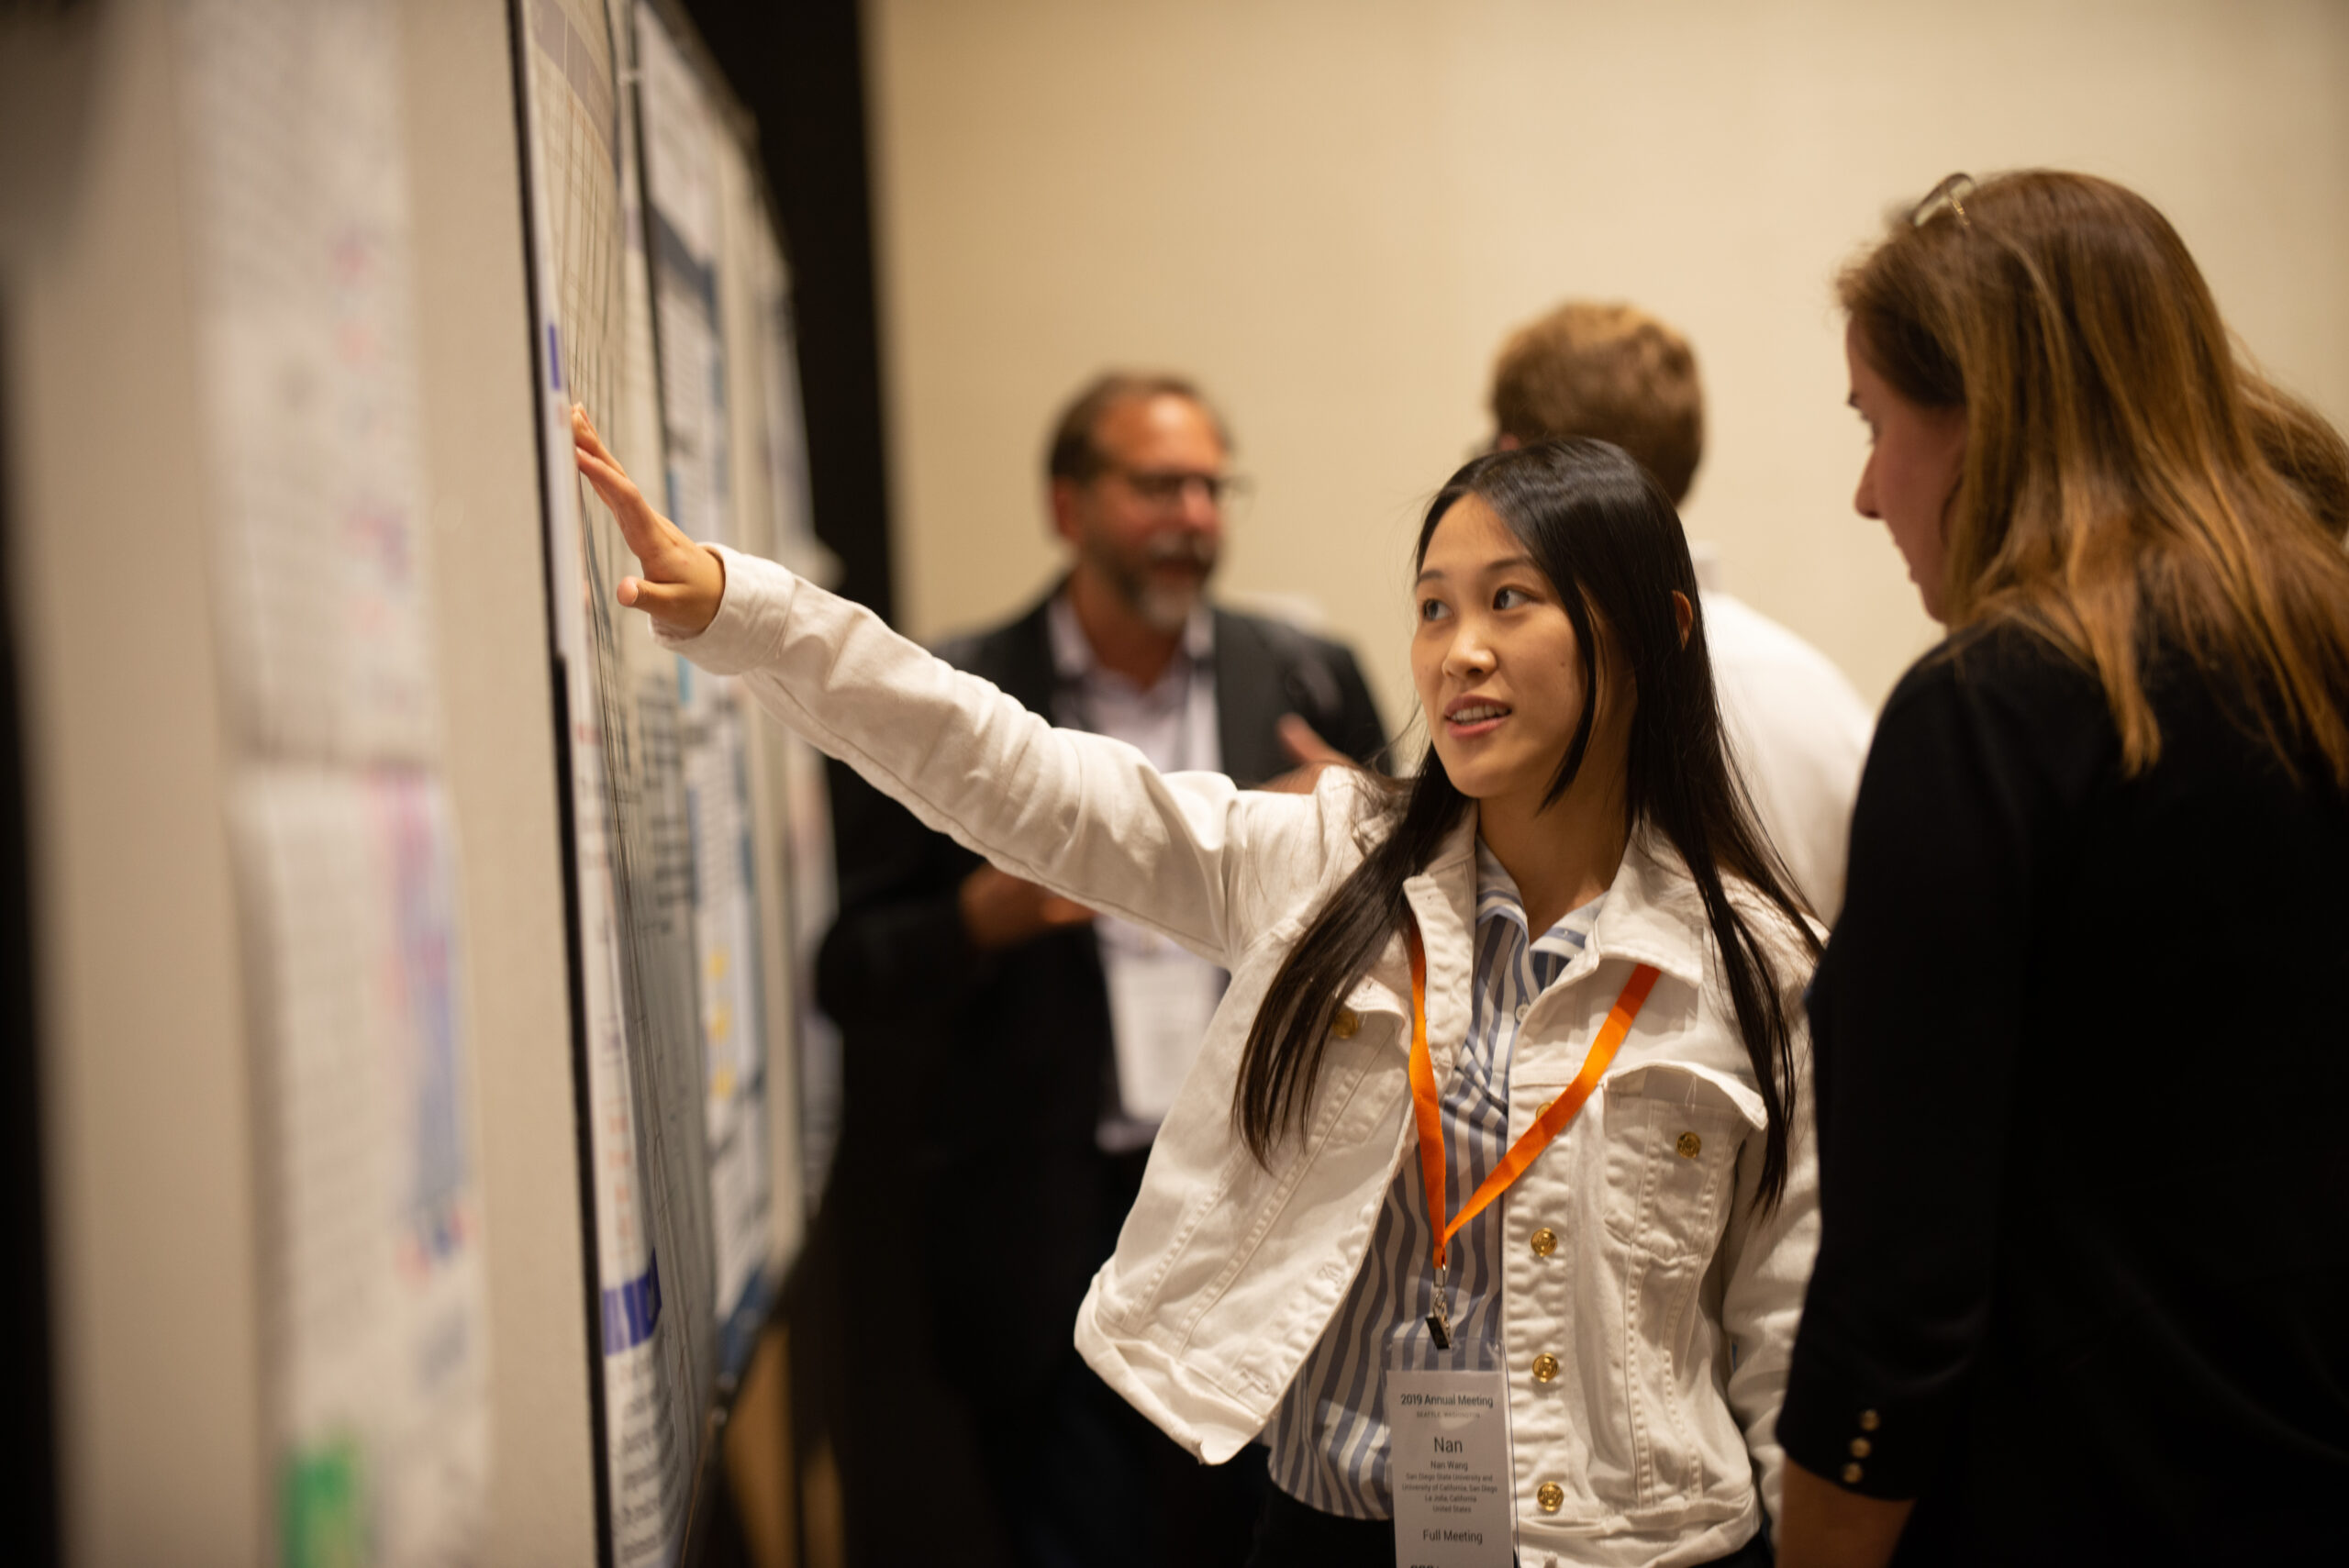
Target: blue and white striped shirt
x,y
1329,1436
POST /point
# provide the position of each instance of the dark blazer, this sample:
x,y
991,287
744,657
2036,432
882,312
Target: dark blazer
x,y
992,1070
2082,1069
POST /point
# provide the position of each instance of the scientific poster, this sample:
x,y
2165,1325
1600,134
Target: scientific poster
x,y
682,153
812,898
373,1267
375,1329
630,833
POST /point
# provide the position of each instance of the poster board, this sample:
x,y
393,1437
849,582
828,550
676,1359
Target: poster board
x,y
772,458
680,872
297,1154
340,831
636,1006
684,145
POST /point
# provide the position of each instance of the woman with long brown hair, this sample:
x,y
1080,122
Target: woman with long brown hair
x,y
2081,1050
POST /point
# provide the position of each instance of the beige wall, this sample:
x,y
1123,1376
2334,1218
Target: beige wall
x,y
1332,211
146,1123
489,572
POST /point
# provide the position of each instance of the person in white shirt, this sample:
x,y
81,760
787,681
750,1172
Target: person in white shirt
x,y
1799,730
1558,963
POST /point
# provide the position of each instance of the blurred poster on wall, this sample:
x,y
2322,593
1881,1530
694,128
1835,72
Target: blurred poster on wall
x,y
376,1331
683,145
814,894
373,1274
773,515
632,840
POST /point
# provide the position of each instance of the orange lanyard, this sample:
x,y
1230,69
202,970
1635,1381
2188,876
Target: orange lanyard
x,y
1428,1110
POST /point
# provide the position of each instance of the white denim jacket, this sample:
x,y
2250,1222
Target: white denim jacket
x,y
1669,1303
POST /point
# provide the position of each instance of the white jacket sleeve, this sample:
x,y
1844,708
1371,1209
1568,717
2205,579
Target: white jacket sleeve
x,y
1083,814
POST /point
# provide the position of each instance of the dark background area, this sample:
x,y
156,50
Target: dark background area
x,y
28,1499
797,67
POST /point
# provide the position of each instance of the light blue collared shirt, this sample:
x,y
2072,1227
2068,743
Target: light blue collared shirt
x,y
1329,1436
1160,997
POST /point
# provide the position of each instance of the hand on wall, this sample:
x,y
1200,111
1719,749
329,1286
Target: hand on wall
x,y
683,581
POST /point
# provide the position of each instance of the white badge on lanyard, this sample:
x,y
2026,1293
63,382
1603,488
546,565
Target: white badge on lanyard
x,y
1449,1429
1450,1467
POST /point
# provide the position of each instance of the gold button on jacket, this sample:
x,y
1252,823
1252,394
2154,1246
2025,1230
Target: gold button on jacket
x,y
1688,1145
1851,1476
1545,1241
1347,1024
1545,1367
1551,1495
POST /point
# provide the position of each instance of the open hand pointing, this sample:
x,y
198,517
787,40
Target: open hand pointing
x,y
683,581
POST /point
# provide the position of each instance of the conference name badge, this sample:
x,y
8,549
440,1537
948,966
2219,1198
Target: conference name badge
x,y
1449,1458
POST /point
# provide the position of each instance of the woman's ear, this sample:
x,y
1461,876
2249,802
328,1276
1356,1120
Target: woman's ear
x,y
1684,613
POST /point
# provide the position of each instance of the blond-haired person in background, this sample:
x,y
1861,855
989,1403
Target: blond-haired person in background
x,y
1797,728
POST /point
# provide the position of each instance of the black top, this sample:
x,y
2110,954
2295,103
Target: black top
x,y
2083,1077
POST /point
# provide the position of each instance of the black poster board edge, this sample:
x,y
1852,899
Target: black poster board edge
x,y
566,810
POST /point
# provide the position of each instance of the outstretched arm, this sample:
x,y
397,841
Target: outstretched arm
x,y
683,581
1083,816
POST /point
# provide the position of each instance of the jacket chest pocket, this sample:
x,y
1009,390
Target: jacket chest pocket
x,y
1368,1025
1672,1138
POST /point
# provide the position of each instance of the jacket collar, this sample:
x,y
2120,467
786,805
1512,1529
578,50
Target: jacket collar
x,y
1653,914
1443,898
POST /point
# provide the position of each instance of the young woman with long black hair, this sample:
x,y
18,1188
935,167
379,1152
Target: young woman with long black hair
x,y
1560,963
